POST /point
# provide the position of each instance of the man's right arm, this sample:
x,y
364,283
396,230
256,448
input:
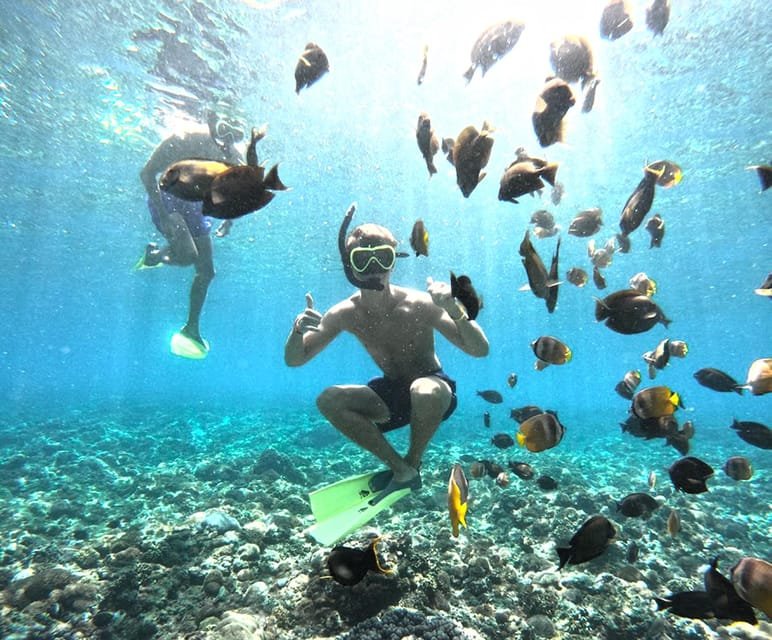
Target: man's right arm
x,y
311,332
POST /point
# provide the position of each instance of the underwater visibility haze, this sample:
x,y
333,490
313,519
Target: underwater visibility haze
x,y
148,495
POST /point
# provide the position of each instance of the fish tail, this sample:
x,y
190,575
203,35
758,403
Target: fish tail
x,y
520,439
469,73
272,180
663,604
739,388
431,167
564,553
549,173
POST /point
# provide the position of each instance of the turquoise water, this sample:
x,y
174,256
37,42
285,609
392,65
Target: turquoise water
x,y
91,400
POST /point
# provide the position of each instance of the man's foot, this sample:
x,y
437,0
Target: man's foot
x,y
380,480
413,483
193,335
153,257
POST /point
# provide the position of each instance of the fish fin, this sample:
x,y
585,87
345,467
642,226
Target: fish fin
x,y
549,173
481,176
304,61
520,439
272,180
540,365
564,553
469,73
525,287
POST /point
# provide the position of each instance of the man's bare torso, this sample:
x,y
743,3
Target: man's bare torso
x,y
398,334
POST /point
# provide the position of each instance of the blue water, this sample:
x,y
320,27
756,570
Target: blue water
x,y
87,91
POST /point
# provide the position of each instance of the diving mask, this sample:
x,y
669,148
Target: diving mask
x,y
372,260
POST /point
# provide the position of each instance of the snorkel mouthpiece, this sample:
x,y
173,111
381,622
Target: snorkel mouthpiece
x,y
364,283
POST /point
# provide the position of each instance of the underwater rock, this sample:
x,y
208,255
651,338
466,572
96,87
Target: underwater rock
x,y
219,521
541,626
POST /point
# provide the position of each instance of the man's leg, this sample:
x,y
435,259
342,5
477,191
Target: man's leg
x,y
429,400
204,274
354,410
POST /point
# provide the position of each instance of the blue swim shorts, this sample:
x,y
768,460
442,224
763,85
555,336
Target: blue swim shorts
x,y
198,224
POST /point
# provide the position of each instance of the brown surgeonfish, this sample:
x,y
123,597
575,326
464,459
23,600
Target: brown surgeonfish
x,y
521,414
752,579
311,66
424,61
577,276
655,402
689,475
656,228
522,177
657,16
241,190
469,154
552,294
588,542
491,395
348,566
586,223
428,143
554,101
458,498
589,95
628,312
637,505
764,171
717,380
598,278
639,203
755,433
727,603
540,432
492,45
521,469
462,289
539,279
571,59
615,20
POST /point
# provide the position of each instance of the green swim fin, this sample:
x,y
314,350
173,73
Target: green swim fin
x,y
341,495
186,347
338,525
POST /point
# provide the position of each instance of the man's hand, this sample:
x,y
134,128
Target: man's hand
x,y
441,296
308,320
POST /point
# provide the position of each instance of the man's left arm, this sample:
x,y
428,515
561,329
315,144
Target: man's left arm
x,y
454,323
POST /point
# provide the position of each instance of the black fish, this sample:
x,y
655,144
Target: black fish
x,y
656,227
424,61
754,433
539,279
588,542
571,59
348,566
657,16
487,419
615,21
470,153
311,66
639,203
598,279
689,475
726,603
547,483
717,380
586,223
521,469
679,441
492,469
543,218
241,190
637,505
653,427
461,289
632,552
552,293
688,604
629,311
502,441
522,414
492,44
512,380
764,171
589,95
554,101
524,176
428,144
492,396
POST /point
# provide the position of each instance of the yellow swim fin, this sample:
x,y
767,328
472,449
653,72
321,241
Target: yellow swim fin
x,y
186,347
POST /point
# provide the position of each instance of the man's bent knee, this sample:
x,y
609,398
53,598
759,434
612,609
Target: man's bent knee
x,y
329,401
428,394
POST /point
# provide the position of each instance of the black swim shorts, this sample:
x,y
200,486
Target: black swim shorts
x,y
396,395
